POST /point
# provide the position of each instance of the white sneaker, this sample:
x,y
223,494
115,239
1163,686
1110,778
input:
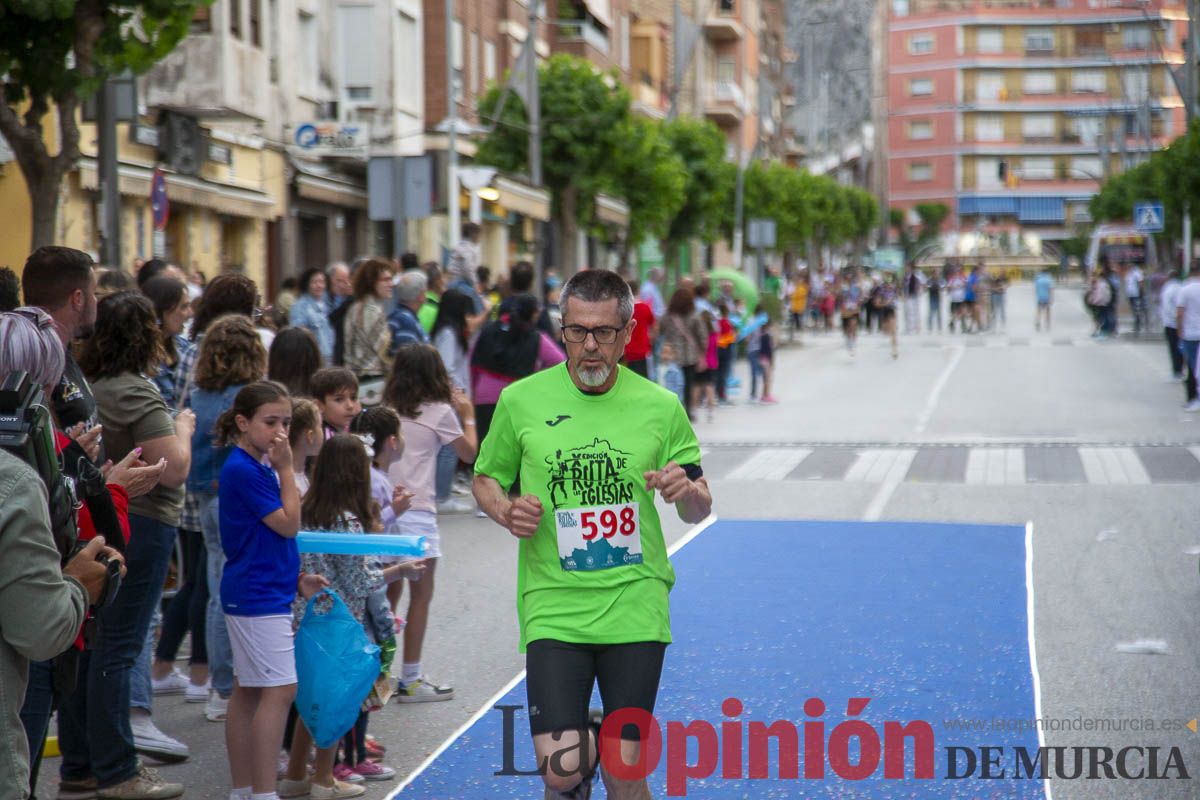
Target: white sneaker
x,y
216,708
455,506
149,740
422,690
197,692
1192,406
175,683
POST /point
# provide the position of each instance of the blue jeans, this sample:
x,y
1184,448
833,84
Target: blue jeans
x,y
216,635
756,372
93,724
35,714
1191,348
447,463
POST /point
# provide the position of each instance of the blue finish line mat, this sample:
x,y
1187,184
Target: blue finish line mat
x,y
819,660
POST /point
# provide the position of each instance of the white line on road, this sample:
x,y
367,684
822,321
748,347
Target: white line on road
x,y
900,461
1033,665
769,464
936,392
1000,466
1106,466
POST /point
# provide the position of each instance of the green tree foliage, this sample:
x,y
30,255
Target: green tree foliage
x,y
56,53
583,115
651,177
708,190
931,215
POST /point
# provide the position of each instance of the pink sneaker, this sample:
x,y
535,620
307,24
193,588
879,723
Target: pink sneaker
x,y
371,771
346,775
399,623
768,400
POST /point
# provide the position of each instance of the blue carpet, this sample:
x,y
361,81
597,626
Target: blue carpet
x,y
927,620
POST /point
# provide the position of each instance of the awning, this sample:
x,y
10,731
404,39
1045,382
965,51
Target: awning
x,y
600,10
1041,209
522,199
987,205
134,181
329,187
612,210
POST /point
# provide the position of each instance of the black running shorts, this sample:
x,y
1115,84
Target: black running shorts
x,y
560,676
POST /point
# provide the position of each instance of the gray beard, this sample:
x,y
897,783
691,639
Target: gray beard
x,y
593,377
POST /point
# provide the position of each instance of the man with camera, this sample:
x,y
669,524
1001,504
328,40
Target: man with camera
x,y
42,604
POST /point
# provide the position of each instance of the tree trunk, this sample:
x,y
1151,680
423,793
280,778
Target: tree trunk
x,y
568,228
43,198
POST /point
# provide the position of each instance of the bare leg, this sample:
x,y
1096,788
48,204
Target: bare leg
x,y
239,734
298,756
267,726
394,592
420,593
627,790
558,754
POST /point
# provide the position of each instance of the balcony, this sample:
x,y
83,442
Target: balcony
x,y
585,38
725,104
722,24
648,100
211,76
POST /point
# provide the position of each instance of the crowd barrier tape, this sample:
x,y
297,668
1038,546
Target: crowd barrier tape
x,y
361,544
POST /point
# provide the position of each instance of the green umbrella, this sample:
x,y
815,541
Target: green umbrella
x,y
743,287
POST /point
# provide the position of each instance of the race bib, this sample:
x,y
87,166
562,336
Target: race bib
x,y
598,537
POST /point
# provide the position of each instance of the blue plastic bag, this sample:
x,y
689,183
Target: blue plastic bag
x,y
336,666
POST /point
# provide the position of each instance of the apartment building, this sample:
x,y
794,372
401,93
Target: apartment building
x,y
1012,112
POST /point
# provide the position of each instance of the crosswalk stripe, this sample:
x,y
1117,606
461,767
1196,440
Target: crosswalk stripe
x,y
1113,465
878,466
1003,466
771,464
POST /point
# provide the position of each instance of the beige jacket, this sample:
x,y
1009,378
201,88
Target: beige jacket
x,y
40,610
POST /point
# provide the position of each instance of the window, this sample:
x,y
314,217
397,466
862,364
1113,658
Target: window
x,y
1039,82
489,61
235,18
1135,37
989,128
1083,129
1135,82
1092,81
920,171
308,44
357,51
456,57
920,87
1037,168
990,86
623,32
920,44
1039,40
473,56
726,70
408,40
256,23
1037,126
989,40
1089,40
900,8
920,129
1086,168
987,173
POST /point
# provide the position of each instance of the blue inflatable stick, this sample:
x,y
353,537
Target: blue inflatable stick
x,y
360,544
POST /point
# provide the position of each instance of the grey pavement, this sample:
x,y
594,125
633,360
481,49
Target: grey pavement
x,y
1085,439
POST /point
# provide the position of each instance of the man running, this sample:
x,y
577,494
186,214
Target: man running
x,y
590,442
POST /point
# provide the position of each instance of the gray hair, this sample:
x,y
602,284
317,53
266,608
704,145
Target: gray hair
x,y
597,286
334,267
31,344
412,284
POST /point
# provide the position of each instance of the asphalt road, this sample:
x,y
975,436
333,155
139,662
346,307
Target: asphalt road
x,y
1085,439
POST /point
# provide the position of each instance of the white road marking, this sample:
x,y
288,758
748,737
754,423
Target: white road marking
x,y
997,466
893,475
936,392
1107,466
769,464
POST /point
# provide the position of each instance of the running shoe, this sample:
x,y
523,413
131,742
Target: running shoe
x,y
455,506
146,784
197,692
216,709
371,771
422,690
768,400
149,740
77,789
339,790
174,683
289,788
1192,406
343,773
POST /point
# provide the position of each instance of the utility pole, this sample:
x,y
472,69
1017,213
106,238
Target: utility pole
x,y
110,195
533,107
1189,104
453,213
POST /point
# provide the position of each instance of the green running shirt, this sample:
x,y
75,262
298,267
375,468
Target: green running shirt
x,y
596,571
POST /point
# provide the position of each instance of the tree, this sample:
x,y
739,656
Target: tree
x,y
53,55
708,191
651,177
583,114
931,215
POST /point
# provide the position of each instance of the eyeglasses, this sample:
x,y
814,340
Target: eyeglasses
x,y
605,334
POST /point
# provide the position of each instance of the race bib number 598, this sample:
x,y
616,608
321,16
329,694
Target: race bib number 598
x,y
599,537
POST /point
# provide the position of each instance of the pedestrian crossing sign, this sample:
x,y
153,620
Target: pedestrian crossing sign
x,y
1148,217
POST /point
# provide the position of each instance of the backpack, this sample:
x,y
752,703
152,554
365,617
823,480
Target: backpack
x,y
507,349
